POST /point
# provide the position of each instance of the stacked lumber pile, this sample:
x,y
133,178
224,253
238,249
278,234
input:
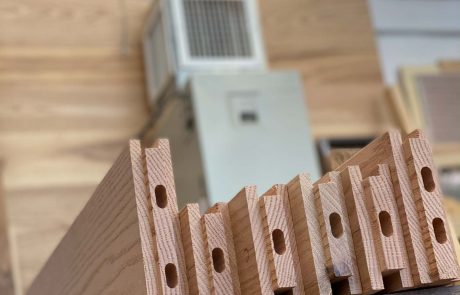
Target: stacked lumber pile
x,y
375,223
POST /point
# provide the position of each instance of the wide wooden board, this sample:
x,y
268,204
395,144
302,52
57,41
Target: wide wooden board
x,y
102,253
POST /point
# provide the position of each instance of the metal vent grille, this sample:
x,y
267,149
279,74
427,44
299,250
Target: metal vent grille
x,y
217,28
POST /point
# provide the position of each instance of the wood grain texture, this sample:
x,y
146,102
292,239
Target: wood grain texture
x,y
332,45
76,109
102,252
144,208
74,92
280,241
247,228
387,231
220,269
71,90
172,278
427,193
387,149
6,272
362,231
308,236
222,208
194,251
336,233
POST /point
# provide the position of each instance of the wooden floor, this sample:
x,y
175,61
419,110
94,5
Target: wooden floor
x,y
72,93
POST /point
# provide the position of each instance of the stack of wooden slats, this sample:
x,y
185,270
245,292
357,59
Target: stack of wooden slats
x,y
375,223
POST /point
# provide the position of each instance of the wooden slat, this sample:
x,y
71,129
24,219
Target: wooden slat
x,y
222,208
172,278
427,193
102,253
308,236
336,233
363,239
280,242
220,271
247,228
194,252
387,231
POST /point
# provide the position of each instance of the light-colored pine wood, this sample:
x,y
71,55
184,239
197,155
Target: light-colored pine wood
x,y
102,253
308,236
194,252
336,232
387,231
363,239
387,149
168,248
247,228
222,208
427,193
220,272
280,241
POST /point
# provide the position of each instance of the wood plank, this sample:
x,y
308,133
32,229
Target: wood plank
x,y
427,193
247,228
308,236
102,253
336,233
362,231
222,208
280,241
387,231
172,278
221,271
194,251
332,45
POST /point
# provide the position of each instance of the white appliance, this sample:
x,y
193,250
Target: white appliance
x,y
230,121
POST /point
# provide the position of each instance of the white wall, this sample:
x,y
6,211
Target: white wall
x,y
415,32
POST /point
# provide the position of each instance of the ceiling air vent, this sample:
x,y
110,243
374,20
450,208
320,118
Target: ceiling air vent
x,y
217,29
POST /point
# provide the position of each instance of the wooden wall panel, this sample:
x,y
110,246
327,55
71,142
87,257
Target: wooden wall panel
x,y
332,44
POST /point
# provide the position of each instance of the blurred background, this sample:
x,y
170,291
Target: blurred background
x,y
248,92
